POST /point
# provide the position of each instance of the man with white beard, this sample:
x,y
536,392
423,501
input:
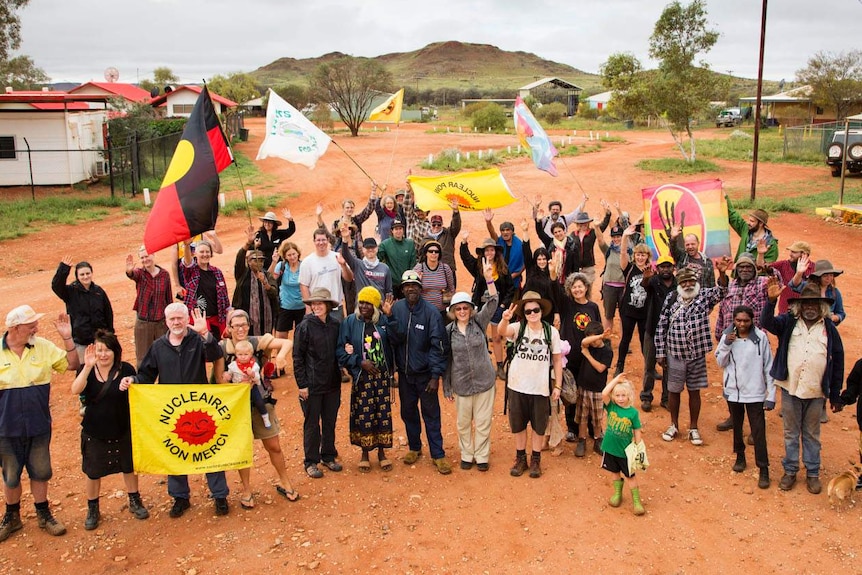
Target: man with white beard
x,y
682,341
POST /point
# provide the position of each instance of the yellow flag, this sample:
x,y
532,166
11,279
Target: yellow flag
x,y
186,429
473,190
390,110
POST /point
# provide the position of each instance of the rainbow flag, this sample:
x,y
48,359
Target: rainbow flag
x,y
185,429
532,136
699,207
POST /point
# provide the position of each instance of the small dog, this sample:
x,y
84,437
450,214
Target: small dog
x,y
842,486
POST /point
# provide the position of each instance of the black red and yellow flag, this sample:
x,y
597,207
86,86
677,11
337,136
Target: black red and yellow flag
x,y
187,203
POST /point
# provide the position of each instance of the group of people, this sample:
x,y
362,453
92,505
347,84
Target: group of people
x,y
382,310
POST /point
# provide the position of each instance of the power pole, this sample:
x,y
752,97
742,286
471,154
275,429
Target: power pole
x,y
757,104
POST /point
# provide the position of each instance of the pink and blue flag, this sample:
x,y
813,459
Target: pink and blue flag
x,y
534,137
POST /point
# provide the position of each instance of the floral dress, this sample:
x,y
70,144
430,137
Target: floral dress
x,y
370,405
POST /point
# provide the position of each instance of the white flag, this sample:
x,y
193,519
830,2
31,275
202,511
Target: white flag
x,y
290,135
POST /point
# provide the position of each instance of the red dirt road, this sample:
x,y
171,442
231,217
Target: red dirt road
x,y
701,517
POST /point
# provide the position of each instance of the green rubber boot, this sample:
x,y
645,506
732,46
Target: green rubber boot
x,y
617,498
636,502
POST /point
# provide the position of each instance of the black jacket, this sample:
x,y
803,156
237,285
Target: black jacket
x,y
315,366
183,364
89,309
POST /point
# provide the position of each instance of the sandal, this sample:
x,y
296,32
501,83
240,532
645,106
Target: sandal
x,y
385,465
247,502
291,495
364,466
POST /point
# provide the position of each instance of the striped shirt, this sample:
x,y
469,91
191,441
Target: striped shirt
x,y
435,282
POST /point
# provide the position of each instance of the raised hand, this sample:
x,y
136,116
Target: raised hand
x,y
723,264
605,205
90,356
510,312
130,263
487,270
762,247
285,213
489,214
318,211
649,272
463,236
250,233
64,326
525,226
453,203
199,323
67,259
339,258
629,231
802,263
773,288
386,306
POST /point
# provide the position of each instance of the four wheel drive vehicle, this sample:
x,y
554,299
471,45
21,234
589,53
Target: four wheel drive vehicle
x,y
731,117
835,151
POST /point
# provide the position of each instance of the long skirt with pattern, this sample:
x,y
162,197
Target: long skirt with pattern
x,y
371,412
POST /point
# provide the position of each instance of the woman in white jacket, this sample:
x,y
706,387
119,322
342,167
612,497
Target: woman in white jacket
x,y
746,358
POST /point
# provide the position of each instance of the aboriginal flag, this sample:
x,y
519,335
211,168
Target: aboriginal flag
x,y
187,203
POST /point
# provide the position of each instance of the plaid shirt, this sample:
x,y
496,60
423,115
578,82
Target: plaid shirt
x,y
417,230
753,295
153,293
192,275
683,329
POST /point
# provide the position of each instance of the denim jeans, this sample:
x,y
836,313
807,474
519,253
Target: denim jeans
x,y
801,417
178,485
411,391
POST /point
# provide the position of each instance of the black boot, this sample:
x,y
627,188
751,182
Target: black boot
x,y
93,515
136,506
740,464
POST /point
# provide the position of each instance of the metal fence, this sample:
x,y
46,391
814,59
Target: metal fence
x,y
139,163
809,142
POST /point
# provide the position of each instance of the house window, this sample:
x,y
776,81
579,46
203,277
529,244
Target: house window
x,y
7,148
183,108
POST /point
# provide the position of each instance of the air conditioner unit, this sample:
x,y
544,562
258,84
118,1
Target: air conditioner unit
x,y
101,168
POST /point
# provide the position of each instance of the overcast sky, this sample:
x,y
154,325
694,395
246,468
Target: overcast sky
x,y
76,40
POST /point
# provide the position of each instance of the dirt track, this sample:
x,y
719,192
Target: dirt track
x,y
701,517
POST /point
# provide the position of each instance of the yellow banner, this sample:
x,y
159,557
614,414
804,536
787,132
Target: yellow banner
x,y
390,110
187,429
473,190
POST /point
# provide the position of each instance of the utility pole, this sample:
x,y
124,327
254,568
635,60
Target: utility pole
x,y
757,103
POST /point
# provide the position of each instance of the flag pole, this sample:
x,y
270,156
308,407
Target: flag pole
x,y
392,156
571,173
361,169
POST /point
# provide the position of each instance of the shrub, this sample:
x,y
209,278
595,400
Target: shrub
x,y
490,117
471,109
551,113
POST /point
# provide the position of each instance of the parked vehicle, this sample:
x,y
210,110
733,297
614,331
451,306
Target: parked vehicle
x,y
730,117
835,152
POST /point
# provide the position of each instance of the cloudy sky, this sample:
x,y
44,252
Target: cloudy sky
x,y
75,40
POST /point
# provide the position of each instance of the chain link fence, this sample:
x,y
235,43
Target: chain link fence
x,y
809,142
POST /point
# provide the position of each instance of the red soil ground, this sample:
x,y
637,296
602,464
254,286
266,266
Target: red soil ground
x,y
701,517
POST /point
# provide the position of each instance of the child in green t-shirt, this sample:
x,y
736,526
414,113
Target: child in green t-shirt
x,y
623,426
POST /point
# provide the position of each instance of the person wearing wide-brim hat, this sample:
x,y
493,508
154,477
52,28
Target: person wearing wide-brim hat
x,y
537,352
752,229
823,277
809,369
315,367
470,379
491,252
269,236
585,238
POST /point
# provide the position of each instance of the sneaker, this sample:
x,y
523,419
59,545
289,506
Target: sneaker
x,y
725,425
520,466
597,446
10,524
581,448
332,465
571,437
485,466
646,406
501,373
221,507
411,457
313,471
813,485
93,518
535,467
694,437
763,481
670,433
136,508
788,480
179,507
442,465
48,523
466,465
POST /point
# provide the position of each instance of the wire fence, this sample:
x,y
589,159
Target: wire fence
x,y
809,142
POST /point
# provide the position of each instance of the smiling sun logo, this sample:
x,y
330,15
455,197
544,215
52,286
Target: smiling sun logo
x,y
195,427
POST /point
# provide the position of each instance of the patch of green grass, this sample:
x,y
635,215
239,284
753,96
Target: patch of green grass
x,y
23,217
259,204
447,160
798,203
741,148
677,166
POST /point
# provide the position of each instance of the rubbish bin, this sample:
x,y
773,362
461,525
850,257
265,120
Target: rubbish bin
x,y
629,124
243,134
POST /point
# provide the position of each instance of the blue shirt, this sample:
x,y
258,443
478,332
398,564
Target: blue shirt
x,y
289,294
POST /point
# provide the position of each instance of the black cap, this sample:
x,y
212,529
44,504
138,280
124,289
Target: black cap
x,y
369,243
397,222
616,231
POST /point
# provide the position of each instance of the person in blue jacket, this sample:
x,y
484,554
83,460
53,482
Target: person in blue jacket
x,y
419,339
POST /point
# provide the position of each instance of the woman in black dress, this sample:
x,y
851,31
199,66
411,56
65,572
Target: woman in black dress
x,y
106,438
